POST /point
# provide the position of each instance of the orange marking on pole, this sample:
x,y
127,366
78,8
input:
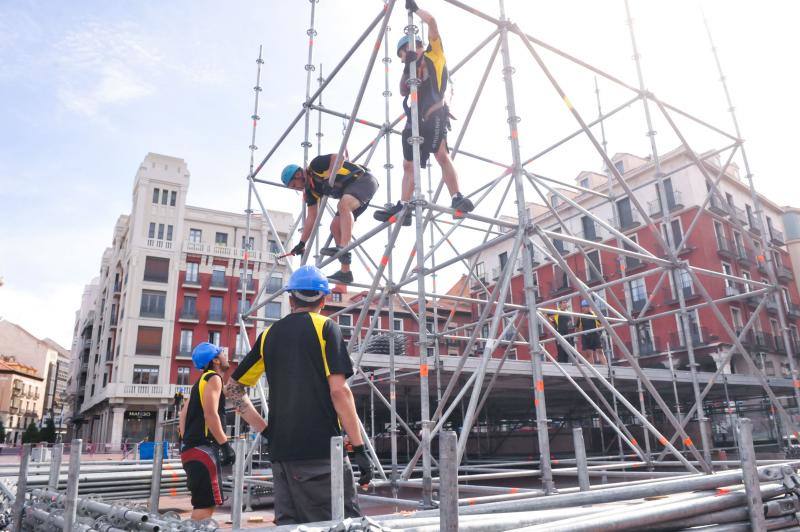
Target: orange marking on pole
x,y
413,96
514,134
423,370
539,386
535,402
392,219
688,442
384,260
514,490
634,442
722,491
663,441
471,502
797,384
311,42
413,252
554,462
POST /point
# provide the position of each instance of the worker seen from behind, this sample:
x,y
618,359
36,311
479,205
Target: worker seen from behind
x,y
564,325
306,362
591,341
434,115
354,187
206,448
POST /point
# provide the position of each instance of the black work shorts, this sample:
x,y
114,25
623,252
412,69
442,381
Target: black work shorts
x,y
591,341
433,130
203,476
362,188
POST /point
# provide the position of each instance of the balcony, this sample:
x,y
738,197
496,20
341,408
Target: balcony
x,y
216,317
189,315
780,346
251,285
700,337
185,351
646,346
638,304
590,233
156,391
732,290
725,248
192,282
745,257
785,274
738,214
674,203
627,220
717,206
559,288
219,250
754,226
793,310
117,288
562,246
218,283
771,305
776,237
762,341
671,297
762,266
159,243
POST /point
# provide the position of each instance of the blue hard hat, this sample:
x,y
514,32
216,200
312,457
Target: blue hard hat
x,y
288,173
403,43
584,303
308,278
204,353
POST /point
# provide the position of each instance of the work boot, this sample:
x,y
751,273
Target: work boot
x,y
330,251
342,277
385,214
460,204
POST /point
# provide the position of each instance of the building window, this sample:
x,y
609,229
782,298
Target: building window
x,y
675,235
192,272
594,269
240,309
151,231
169,233
644,338
161,231
736,319
153,303
728,270
173,197
694,326
215,309
241,345
480,271
155,195
221,239
274,247
183,376
195,235
638,291
164,196
145,374
336,297
156,269
346,323
186,342
684,283
214,337
189,310
273,310
503,259
397,325
620,166
148,341
625,214
584,184
218,278
746,277
554,200
249,243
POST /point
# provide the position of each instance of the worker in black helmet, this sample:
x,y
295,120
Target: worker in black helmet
x,y
201,424
434,116
306,362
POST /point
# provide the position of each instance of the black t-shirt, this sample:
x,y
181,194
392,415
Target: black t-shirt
x,y
318,173
587,324
299,351
196,431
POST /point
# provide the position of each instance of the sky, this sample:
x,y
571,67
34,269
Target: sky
x,y
89,88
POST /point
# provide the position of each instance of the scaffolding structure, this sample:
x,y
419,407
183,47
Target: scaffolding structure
x,y
511,324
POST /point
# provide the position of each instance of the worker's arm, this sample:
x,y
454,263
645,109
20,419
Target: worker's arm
x,y
308,225
345,407
211,395
182,417
236,392
433,29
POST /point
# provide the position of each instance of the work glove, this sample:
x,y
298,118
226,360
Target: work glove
x,y
227,454
359,456
323,188
264,436
412,6
299,249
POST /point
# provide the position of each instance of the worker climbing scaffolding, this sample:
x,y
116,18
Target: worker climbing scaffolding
x,y
434,115
354,187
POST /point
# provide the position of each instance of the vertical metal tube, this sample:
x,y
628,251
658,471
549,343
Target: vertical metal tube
x,y
240,446
448,481
752,486
22,485
73,477
337,479
580,459
527,258
55,466
155,483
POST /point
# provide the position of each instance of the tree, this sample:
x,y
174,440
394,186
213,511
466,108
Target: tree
x,y
2,432
48,432
31,434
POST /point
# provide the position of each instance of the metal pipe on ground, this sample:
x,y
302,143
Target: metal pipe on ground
x,y
337,479
155,487
744,428
22,482
448,481
71,497
55,466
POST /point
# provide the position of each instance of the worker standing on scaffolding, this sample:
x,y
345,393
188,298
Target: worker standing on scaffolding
x,y
565,326
354,187
307,365
434,116
205,446
590,341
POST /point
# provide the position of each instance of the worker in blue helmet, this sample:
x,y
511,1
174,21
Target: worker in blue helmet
x,y
353,186
306,361
205,448
434,116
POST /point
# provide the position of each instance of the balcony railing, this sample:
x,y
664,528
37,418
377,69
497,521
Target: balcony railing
x,y
185,350
754,225
218,281
745,256
627,220
638,304
646,346
219,250
559,288
784,274
699,337
739,214
725,248
216,316
674,203
716,205
776,237
590,233
159,243
251,285
793,310
671,296
189,314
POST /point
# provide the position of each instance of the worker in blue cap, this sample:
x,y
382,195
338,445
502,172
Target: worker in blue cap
x,y
206,448
306,361
354,187
434,116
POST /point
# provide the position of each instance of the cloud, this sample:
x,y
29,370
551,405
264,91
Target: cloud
x,y
51,314
114,84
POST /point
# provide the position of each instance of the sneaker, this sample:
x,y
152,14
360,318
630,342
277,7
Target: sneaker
x,y
330,251
460,204
385,214
342,277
